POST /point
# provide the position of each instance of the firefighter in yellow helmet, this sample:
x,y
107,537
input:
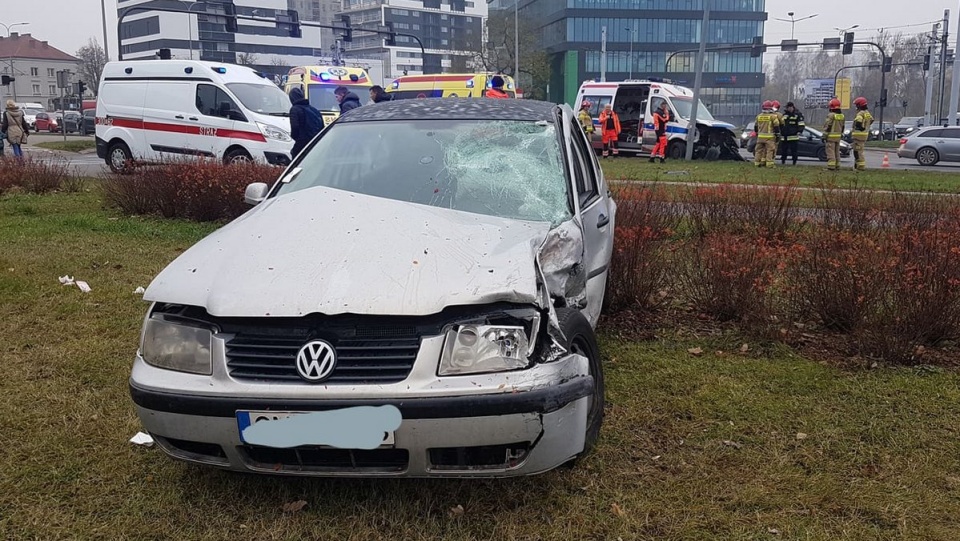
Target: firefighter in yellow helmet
x,y
832,132
861,131
767,128
586,121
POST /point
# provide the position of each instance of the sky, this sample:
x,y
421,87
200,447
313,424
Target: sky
x,y
68,24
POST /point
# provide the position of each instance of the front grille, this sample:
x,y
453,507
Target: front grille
x,y
359,360
327,459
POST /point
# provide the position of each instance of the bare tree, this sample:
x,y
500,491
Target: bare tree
x,y
246,59
497,52
92,59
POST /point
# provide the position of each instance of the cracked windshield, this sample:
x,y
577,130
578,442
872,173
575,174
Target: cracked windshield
x,y
508,169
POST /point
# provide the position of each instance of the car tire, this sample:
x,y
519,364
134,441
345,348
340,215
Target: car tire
x,y
822,154
237,155
581,339
928,156
677,150
119,158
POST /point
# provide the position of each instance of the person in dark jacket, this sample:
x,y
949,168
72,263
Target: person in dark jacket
x,y
497,91
348,100
378,94
793,125
305,121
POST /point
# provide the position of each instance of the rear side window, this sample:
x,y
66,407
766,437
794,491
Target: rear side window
x,y
951,133
597,103
931,133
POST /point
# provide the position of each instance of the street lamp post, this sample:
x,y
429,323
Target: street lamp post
x,y
794,21
10,60
103,15
630,59
190,26
516,44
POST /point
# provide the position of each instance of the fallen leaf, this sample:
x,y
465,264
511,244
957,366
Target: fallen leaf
x,y
733,444
456,511
801,436
744,348
695,351
656,457
773,531
293,507
617,510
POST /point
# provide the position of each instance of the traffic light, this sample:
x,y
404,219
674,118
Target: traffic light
x,y
5,80
848,43
81,88
887,64
391,40
758,48
230,14
883,98
348,31
926,60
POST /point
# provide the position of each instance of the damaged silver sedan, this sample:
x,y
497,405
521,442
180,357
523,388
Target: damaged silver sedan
x,y
415,296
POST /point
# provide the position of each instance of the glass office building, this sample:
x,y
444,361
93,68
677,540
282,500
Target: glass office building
x,y
642,34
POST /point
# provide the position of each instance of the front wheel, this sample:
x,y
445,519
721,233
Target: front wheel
x,y
237,155
119,158
677,150
582,340
822,154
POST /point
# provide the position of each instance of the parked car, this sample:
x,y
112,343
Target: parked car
x,y
931,145
848,131
72,122
889,133
45,122
907,125
811,145
422,304
89,124
748,132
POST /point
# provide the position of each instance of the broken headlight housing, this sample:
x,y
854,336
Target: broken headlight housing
x,y
176,345
493,344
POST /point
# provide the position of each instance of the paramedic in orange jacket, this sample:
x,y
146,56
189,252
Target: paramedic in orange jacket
x,y
660,119
610,128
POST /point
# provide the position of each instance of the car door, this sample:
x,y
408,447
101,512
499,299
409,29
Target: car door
x,y
809,144
597,218
628,105
950,145
209,134
165,118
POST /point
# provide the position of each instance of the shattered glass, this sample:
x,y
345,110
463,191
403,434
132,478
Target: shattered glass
x,y
508,169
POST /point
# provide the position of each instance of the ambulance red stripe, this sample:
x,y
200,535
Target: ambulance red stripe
x,y
139,124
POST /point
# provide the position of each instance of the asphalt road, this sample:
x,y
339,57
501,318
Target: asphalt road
x,y
874,161
85,163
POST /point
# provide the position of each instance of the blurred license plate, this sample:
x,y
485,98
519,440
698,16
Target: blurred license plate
x,y
249,418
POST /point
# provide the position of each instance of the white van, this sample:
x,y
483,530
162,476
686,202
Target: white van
x,y
30,111
635,102
154,110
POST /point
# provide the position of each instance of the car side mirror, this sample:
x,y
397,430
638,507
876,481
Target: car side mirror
x,y
255,193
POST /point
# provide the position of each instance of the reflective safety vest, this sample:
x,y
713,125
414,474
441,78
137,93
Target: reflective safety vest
x,y
793,125
833,127
861,125
767,125
586,121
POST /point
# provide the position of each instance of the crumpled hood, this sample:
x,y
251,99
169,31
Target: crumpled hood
x,y
329,251
717,124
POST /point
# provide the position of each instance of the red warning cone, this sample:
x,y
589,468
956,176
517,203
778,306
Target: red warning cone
x,y
886,161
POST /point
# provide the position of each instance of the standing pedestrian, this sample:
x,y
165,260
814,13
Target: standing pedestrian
x,y
832,132
305,121
793,125
497,91
378,94
586,121
767,127
348,100
861,131
610,128
15,126
660,119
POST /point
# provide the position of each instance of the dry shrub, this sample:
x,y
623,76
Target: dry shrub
x,y
768,211
201,190
731,277
639,267
33,176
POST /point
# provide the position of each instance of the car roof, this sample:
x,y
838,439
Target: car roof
x,y
454,109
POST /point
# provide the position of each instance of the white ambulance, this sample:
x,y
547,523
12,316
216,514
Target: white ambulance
x,y
149,111
635,101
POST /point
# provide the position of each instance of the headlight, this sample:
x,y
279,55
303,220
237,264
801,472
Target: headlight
x,y
176,346
273,132
846,132
483,348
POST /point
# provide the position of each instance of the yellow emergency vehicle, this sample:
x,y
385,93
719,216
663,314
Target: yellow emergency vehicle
x,y
319,82
447,85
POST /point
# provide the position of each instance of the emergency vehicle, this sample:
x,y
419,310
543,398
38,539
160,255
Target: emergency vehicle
x,y
154,110
319,83
447,85
635,101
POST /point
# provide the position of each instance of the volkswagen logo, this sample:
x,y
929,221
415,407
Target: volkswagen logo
x,y
316,361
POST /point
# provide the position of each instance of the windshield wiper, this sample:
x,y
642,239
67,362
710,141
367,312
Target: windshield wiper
x,y
279,114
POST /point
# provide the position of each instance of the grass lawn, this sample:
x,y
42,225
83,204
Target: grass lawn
x,y
75,145
638,169
761,445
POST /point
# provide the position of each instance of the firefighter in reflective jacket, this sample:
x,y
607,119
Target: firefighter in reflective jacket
x,y
586,121
610,128
660,119
793,125
861,129
832,132
768,128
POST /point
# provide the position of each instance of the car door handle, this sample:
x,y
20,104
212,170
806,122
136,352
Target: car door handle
x,y
179,117
603,221
194,118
